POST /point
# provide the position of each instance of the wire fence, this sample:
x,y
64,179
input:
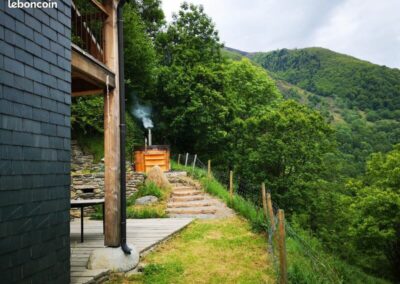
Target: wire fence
x,y
252,193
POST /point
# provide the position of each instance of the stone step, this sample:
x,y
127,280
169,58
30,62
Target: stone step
x,y
187,193
188,204
192,210
183,188
187,198
176,185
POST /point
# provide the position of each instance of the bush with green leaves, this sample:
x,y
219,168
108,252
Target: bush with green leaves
x,y
148,188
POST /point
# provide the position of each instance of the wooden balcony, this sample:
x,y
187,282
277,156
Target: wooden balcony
x,y
90,75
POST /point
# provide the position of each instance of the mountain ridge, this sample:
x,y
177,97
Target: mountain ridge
x,y
249,54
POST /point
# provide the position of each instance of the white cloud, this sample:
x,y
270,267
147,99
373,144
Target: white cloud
x,y
367,29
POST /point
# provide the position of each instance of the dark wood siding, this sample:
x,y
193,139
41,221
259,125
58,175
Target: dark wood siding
x,y
35,82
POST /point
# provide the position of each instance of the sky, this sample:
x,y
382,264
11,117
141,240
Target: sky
x,y
366,29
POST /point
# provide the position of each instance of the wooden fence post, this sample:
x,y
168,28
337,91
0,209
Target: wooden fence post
x,y
270,211
179,159
186,160
194,161
264,200
231,185
282,248
209,168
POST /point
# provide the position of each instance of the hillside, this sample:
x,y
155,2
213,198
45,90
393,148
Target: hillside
x,y
359,98
326,73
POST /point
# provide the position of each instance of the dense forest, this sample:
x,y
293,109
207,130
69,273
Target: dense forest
x,y
319,128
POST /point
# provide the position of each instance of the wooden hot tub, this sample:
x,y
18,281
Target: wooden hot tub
x,y
147,157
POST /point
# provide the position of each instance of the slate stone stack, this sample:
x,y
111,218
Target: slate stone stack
x,y
35,86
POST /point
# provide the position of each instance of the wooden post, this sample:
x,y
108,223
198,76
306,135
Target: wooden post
x,y
179,159
231,185
112,192
282,248
186,160
264,200
270,211
194,161
209,168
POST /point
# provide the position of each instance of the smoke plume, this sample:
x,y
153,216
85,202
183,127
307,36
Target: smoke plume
x,y
143,113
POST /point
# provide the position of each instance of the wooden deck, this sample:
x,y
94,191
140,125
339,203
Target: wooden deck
x,y
144,234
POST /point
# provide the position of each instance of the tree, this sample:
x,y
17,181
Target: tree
x,y
284,145
383,170
248,87
151,14
87,114
189,103
139,54
375,210
190,39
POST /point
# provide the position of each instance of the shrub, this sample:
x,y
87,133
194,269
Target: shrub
x,y
148,188
156,210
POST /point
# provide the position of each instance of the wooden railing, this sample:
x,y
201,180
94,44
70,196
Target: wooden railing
x,y
88,17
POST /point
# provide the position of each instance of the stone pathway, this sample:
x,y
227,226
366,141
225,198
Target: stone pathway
x,y
188,200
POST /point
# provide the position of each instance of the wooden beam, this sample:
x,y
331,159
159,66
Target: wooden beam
x,y
88,93
100,7
282,248
270,211
264,200
231,185
112,191
86,66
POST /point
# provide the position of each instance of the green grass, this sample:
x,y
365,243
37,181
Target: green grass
x,y
155,210
208,251
146,211
239,204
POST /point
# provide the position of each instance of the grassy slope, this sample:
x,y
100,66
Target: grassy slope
x,y
326,105
209,251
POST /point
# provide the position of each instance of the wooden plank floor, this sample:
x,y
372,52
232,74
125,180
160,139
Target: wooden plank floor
x,y
144,234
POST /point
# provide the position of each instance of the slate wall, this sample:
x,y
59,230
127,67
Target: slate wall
x,y
35,82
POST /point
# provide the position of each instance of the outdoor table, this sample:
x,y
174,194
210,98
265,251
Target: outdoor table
x,y
81,203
